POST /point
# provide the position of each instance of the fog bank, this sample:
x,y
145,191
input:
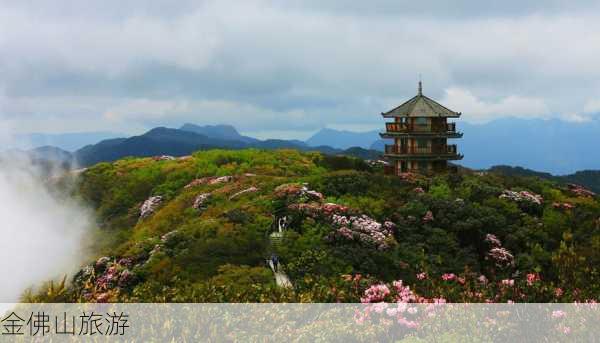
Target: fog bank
x,y
40,233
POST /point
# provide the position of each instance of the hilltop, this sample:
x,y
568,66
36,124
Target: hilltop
x,y
200,228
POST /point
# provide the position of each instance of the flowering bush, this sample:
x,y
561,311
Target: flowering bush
x,y
497,254
522,196
563,206
580,191
364,230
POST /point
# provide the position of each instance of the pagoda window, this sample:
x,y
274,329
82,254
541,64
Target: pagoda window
x,y
421,124
421,121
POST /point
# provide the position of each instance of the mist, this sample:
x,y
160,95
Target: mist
x,y
41,231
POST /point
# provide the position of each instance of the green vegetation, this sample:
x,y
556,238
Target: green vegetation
x,y
447,225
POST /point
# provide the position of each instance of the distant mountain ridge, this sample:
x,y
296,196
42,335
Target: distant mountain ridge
x,y
226,132
545,145
65,141
180,142
343,139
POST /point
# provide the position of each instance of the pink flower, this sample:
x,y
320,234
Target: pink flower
x,y
558,292
482,279
566,330
448,276
422,276
508,282
493,240
461,280
375,293
428,217
531,278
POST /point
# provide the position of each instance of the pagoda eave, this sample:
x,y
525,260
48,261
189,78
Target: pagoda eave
x,y
389,115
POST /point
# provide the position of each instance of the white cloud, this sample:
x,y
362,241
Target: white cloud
x,y
592,106
295,66
576,118
478,111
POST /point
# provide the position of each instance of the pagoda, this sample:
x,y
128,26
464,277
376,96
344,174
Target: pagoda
x,y
420,133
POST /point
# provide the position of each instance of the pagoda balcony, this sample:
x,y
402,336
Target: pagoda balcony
x,y
428,152
445,129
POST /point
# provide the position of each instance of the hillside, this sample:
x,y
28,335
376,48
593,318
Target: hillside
x,y
200,228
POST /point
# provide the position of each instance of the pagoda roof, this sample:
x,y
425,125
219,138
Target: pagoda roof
x,y
421,106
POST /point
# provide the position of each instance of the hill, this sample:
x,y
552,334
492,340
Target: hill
x,y
201,228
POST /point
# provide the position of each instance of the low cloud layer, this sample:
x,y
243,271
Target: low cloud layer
x,y
42,234
293,65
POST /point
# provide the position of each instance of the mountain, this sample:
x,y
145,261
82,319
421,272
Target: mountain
x,y
225,132
555,146
65,141
158,141
343,139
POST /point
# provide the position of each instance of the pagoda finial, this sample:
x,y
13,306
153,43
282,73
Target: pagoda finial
x,y
420,88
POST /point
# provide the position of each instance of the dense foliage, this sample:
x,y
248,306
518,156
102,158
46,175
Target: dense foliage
x,y
207,220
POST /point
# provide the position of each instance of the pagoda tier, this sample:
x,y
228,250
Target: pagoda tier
x,y
420,134
439,128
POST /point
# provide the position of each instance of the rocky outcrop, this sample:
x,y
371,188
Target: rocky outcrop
x,y
163,158
247,190
200,201
149,206
210,180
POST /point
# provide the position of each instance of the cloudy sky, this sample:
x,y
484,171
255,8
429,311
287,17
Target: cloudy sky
x,y
288,68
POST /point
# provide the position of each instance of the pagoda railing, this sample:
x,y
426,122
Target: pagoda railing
x,y
405,127
429,150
